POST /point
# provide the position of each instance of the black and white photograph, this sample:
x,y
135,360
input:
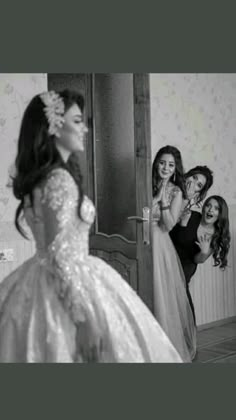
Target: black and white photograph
x,y
117,218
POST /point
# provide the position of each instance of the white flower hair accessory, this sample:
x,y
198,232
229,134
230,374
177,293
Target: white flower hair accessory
x,y
54,111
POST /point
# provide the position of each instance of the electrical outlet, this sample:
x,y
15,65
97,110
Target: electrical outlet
x,y
6,255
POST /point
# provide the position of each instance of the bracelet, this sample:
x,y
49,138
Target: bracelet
x,y
165,207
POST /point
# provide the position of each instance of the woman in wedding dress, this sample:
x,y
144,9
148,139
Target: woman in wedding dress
x,y
171,305
64,305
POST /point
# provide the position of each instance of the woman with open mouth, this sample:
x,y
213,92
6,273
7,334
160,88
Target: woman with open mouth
x,y
204,235
198,181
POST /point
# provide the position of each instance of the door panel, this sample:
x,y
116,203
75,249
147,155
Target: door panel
x,y
120,254
115,163
122,176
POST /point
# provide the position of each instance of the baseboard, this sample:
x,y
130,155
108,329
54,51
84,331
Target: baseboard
x,y
216,323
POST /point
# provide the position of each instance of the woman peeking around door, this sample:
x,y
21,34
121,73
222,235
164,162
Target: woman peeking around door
x,y
171,305
198,236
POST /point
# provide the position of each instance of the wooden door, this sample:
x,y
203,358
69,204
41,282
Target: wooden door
x,y
116,167
121,157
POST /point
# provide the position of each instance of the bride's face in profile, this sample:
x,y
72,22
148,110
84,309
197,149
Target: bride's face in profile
x,y
166,166
72,134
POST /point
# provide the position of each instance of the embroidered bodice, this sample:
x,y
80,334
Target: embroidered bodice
x,y
54,216
62,239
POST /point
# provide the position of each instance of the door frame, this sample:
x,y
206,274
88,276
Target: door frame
x,y
142,140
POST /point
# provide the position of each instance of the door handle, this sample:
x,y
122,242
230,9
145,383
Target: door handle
x,y
137,218
145,220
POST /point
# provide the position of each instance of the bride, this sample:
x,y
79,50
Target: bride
x,y
64,305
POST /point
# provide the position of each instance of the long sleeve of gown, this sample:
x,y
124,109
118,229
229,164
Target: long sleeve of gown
x,y
67,247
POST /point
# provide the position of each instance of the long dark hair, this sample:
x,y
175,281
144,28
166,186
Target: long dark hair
x,y
177,178
37,154
220,242
202,170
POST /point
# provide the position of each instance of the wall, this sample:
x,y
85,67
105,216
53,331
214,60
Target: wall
x,y
196,113
16,90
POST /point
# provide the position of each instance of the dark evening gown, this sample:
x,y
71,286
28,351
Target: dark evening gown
x,y
184,238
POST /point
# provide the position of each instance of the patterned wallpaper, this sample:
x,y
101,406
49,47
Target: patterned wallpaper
x,y
197,114
16,90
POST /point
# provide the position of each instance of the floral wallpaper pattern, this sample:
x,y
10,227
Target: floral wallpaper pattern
x,y
197,114
16,90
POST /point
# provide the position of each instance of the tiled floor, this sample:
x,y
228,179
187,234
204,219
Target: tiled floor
x,y
217,344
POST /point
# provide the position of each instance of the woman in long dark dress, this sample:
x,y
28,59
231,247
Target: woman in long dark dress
x,y
198,181
202,236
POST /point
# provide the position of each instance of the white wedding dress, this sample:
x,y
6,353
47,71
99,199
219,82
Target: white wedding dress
x,y
64,305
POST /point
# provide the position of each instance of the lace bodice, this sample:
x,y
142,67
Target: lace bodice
x,y
62,239
54,214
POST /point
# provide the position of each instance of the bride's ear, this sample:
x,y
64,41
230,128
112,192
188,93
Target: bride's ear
x,y
58,132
